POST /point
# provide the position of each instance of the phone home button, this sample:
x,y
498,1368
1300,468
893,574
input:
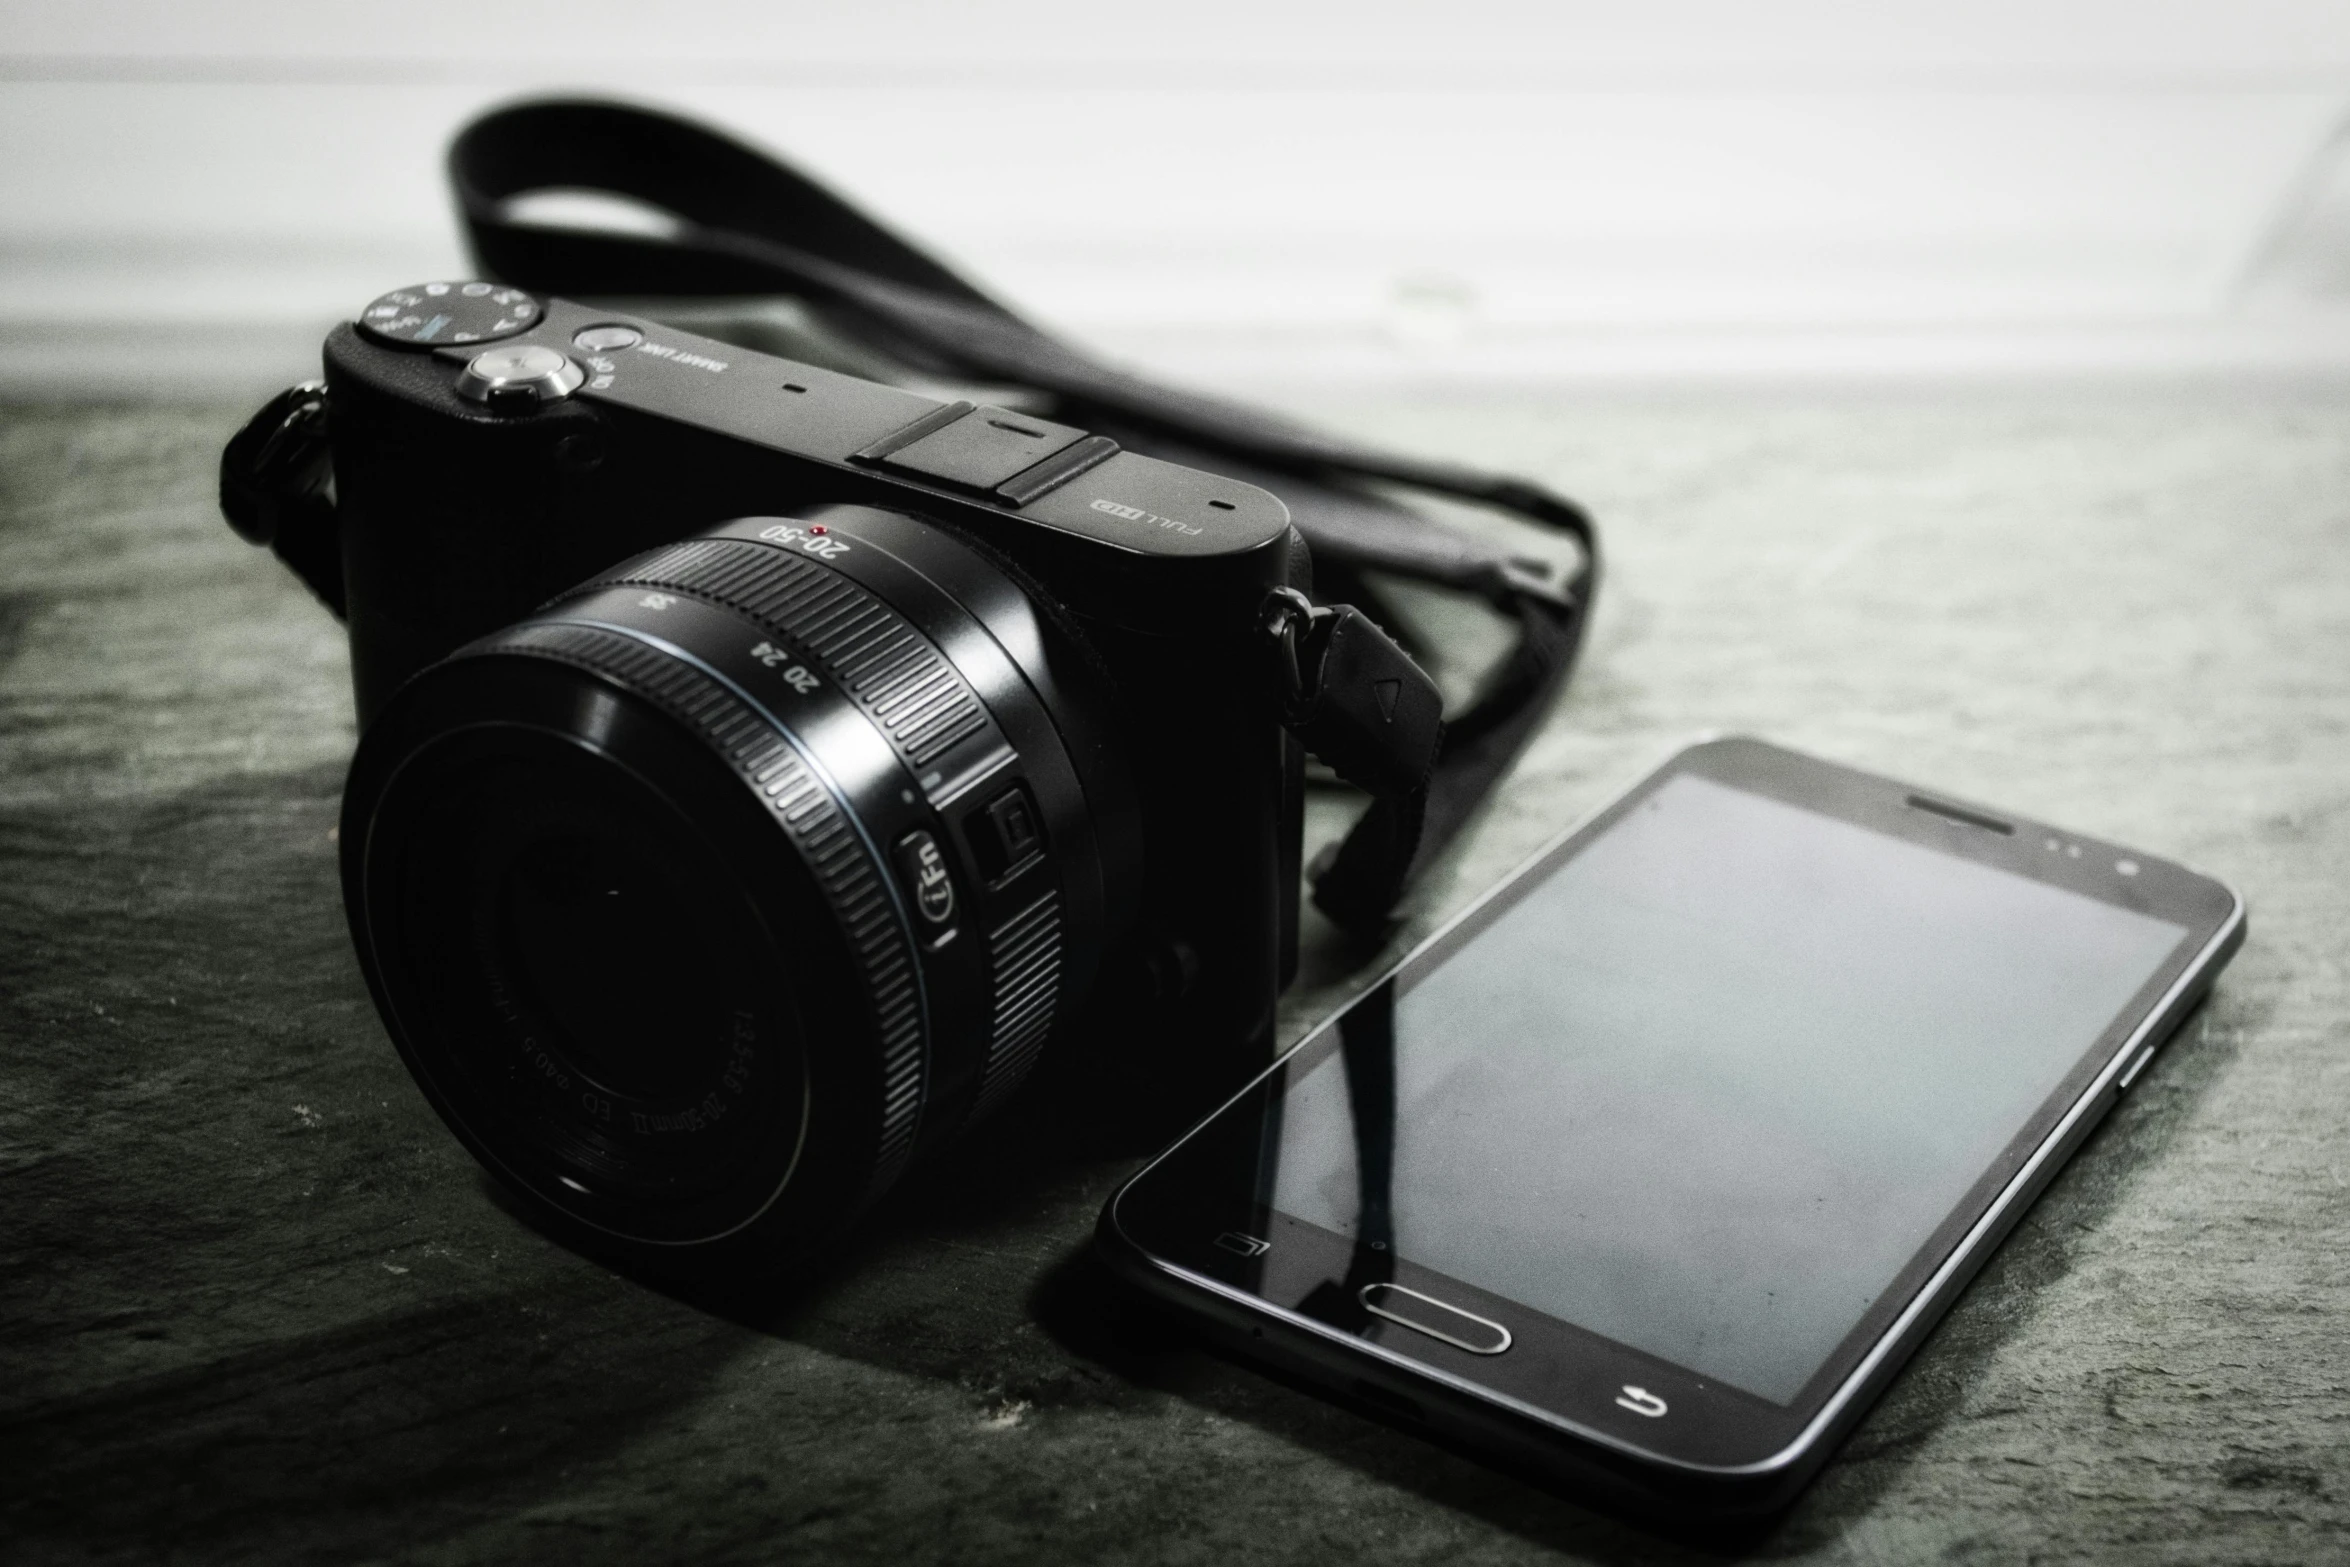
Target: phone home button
x,y
1426,1314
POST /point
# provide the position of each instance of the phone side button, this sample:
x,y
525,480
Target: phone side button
x,y
1426,1314
2130,1073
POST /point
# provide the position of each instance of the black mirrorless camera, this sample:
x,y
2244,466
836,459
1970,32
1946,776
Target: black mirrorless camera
x,y
759,764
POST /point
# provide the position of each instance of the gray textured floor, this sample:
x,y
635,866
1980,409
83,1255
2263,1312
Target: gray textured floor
x,y
255,1304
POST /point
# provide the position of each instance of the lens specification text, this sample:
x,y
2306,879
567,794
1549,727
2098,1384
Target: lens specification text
x,y
823,546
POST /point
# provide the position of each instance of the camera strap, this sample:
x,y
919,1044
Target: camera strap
x,y
746,224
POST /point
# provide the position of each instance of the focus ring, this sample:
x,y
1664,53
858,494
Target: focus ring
x,y
835,853
891,670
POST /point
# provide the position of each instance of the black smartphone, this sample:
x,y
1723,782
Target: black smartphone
x,y
1649,1171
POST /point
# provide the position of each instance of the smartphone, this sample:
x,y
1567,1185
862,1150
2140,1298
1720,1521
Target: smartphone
x,y
1650,1170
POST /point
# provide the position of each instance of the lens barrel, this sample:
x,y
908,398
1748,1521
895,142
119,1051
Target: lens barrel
x,y
710,898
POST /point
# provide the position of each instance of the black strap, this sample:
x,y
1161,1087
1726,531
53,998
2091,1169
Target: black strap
x,y
747,224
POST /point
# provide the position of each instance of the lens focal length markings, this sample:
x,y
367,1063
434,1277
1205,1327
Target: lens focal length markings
x,y
893,673
772,674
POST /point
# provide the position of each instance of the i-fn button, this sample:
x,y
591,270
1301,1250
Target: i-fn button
x,y
923,870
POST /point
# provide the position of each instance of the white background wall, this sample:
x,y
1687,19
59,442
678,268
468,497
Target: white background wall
x,y
189,192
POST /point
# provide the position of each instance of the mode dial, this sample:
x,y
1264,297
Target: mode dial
x,y
435,315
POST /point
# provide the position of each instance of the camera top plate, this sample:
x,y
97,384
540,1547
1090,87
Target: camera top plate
x,y
1049,474
457,512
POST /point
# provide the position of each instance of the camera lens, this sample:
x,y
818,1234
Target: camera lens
x,y
707,900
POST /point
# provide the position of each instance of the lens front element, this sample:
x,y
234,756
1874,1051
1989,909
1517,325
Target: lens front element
x,y
589,931
588,990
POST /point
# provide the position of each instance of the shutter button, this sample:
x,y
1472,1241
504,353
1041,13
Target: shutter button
x,y
519,377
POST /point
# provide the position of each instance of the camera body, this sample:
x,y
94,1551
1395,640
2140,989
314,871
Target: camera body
x,y
1024,671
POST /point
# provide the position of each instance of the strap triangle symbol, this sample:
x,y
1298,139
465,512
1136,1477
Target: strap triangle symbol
x,y
1387,691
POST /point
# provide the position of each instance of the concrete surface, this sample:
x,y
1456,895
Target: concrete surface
x,y
256,1305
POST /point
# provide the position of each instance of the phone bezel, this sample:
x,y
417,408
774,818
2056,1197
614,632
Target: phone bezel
x,y
1165,1220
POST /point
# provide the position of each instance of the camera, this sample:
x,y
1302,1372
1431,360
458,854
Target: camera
x,y
760,765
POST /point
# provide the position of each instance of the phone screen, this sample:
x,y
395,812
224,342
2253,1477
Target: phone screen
x,y
1708,1088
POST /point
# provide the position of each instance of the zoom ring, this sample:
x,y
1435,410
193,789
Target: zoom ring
x,y
904,684
919,702
843,867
